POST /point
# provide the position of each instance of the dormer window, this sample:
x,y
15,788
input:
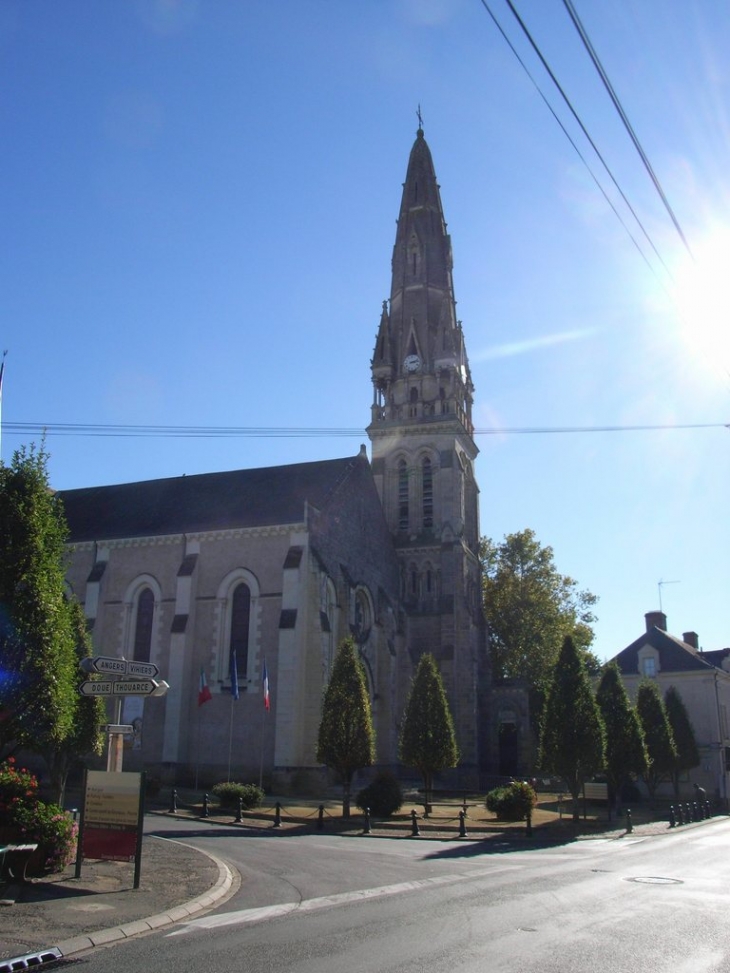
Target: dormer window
x,y
648,666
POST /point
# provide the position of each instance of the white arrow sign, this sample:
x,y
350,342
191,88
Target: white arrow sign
x,y
134,687
146,670
96,687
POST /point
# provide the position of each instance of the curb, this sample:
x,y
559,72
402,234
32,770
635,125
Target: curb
x,y
201,903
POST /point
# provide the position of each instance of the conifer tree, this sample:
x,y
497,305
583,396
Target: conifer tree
x,y
625,748
688,756
38,668
346,736
572,740
660,745
427,739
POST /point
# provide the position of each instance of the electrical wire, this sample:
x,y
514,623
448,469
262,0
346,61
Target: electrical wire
x,y
294,432
583,34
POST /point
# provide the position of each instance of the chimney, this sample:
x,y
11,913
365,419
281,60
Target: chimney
x,y
658,619
691,638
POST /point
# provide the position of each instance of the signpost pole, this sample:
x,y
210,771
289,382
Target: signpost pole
x,y
140,827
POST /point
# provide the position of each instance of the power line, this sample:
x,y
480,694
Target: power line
x,y
583,34
304,432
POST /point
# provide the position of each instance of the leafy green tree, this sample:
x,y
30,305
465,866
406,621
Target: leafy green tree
x,y
572,743
90,712
688,756
427,739
37,640
625,749
346,735
531,608
657,734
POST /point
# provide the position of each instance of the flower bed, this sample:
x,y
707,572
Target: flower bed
x,y
28,820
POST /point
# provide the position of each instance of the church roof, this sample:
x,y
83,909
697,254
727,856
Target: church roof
x,y
209,501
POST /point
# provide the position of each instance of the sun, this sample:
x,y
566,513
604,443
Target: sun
x,y
702,296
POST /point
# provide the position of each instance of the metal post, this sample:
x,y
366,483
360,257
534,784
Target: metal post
x,y
672,821
277,815
528,824
415,830
206,806
629,822
462,825
320,818
367,829
173,801
680,814
239,812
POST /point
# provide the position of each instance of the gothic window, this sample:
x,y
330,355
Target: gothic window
x,y
143,625
427,492
236,626
413,400
240,622
140,636
403,512
413,581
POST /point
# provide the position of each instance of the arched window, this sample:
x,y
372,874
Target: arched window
x,y
237,627
427,492
143,625
240,621
403,512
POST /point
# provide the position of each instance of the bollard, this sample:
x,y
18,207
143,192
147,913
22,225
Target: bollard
x,y
462,825
239,813
415,830
173,801
528,824
672,821
277,815
629,822
680,814
367,829
692,811
320,818
206,806
708,811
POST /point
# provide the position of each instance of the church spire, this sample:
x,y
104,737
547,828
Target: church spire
x,y
420,337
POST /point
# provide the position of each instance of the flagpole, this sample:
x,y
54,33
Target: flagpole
x,y
230,738
261,761
2,369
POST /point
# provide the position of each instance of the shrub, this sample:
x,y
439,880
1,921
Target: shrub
x,y
228,793
383,796
513,802
47,825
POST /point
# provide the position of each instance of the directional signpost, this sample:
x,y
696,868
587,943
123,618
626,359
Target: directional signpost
x,y
132,679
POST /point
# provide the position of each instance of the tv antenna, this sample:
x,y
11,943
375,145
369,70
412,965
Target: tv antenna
x,y
660,584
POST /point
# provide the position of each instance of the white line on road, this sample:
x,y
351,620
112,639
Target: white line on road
x,y
323,902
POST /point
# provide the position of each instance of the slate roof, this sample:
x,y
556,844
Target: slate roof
x,y
209,501
674,654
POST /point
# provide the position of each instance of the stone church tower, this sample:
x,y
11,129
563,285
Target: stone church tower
x,y
423,450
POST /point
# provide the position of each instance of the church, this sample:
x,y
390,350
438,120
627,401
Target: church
x,y
223,580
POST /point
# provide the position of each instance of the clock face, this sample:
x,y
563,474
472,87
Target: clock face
x,y
412,363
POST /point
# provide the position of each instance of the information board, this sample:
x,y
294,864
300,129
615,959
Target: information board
x,y
111,819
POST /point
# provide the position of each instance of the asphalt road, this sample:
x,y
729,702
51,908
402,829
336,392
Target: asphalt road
x,y
328,904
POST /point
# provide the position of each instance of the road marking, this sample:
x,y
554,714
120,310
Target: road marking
x,y
324,902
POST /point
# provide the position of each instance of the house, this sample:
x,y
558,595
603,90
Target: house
x,y
702,679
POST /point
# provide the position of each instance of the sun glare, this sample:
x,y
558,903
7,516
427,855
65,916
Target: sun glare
x,y
703,299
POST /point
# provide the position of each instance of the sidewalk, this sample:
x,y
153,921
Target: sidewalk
x,y
102,906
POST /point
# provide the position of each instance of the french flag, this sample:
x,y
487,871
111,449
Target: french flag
x,y
204,694
267,698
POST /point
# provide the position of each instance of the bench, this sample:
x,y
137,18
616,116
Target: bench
x,y
14,861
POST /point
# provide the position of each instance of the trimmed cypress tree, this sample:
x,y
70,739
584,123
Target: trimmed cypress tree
x,y
346,735
572,742
427,739
657,734
625,749
688,756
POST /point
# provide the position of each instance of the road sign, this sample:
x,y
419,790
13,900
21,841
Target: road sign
x,y
96,687
125,728
145,670
106,663
134,687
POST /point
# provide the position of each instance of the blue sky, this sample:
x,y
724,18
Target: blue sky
x,y
198,204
